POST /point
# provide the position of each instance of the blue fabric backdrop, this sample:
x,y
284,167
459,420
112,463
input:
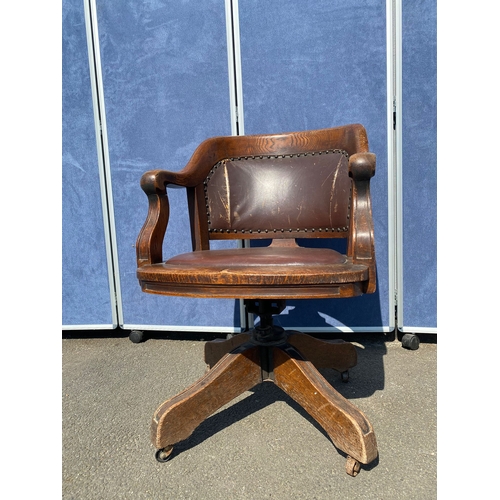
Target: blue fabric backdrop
x,y
166,89
418,302
320,64
305,66
85,285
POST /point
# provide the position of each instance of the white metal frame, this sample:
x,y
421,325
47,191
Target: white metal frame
x,y
236,103
393,14
103,163
397,167
234,67
180,328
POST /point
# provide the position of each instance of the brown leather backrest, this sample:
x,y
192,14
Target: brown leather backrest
x,y
299,195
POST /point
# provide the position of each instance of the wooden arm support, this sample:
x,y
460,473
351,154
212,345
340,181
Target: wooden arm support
x,y
150,240
361,245
154,183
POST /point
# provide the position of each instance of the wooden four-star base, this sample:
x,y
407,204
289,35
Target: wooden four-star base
x,y
291,361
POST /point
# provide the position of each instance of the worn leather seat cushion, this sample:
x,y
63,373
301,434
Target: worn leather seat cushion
x,y
260,256
257,266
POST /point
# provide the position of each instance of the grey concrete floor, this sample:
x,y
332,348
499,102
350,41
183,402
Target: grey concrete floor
x,y
261,445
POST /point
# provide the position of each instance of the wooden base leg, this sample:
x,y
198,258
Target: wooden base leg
x,y
215,350
336,354
347,426
177,418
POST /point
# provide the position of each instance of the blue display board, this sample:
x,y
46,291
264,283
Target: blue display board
x,y
85,285
305,65
309,65
417,309
166,89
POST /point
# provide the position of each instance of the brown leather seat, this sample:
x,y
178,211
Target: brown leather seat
x,y
283,187
242,272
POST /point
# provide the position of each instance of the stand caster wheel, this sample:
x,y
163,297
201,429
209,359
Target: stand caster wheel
x,y
410,341
164,454
136,336
344,376
352,466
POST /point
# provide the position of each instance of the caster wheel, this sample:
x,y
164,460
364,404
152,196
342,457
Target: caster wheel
x,y
344,376
410,341
352,466
136,336
165,454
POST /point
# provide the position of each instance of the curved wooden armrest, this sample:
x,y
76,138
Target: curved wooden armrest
x,y
150,240
156,181
361,246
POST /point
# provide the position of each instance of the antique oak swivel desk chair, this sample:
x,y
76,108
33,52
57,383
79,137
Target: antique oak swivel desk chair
x,y
313,184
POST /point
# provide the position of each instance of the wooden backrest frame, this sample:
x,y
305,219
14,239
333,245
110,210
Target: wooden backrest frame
x,y
350,138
